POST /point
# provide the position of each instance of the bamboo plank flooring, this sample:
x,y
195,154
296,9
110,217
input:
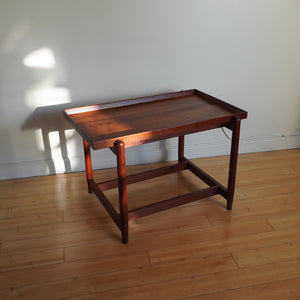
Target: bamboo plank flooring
x,y
57,242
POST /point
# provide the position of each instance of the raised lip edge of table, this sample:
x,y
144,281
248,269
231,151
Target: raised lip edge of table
x,y
121,219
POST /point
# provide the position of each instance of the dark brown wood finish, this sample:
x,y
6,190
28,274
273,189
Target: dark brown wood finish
x,y
148,119
173,202
181,148
106,204
206,178
233,161
88,164
127,123
122,180
134,178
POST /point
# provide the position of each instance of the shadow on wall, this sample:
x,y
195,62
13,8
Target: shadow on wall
x,y
51,122
50,119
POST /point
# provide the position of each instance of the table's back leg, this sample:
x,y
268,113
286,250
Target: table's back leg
x,y
233,162
180,148
121,164
88,164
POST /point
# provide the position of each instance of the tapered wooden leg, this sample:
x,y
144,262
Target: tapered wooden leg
x,y
180,148
121,164
88,164
233,162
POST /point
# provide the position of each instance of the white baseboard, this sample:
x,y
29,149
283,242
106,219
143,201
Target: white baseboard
x,y
143,154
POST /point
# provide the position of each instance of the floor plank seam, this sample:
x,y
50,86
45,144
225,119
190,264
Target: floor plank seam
x,y
210,221
235,261
240,288
274,229
16,288
20,288
149,258
51,245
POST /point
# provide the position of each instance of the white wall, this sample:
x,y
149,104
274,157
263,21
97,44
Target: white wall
x,y
245,52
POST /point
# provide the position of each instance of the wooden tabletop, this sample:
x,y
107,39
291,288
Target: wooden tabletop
x,y
142,120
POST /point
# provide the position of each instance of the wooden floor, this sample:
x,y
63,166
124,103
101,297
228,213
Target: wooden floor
x,y
57,242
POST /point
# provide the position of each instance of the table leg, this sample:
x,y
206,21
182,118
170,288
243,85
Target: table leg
x,y
233,162
180,148
88,164
121,164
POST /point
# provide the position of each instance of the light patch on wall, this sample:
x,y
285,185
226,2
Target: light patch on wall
x,y
73,139
58,161
39,139
48,96
42,58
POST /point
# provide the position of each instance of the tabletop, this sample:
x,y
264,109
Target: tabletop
x,y
142,120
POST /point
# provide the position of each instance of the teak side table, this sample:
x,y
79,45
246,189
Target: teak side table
x,y
121,124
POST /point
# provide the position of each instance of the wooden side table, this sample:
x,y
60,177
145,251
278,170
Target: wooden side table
x,y
121,124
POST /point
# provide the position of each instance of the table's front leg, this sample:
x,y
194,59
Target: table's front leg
x,y
233,161
121,164
88,164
